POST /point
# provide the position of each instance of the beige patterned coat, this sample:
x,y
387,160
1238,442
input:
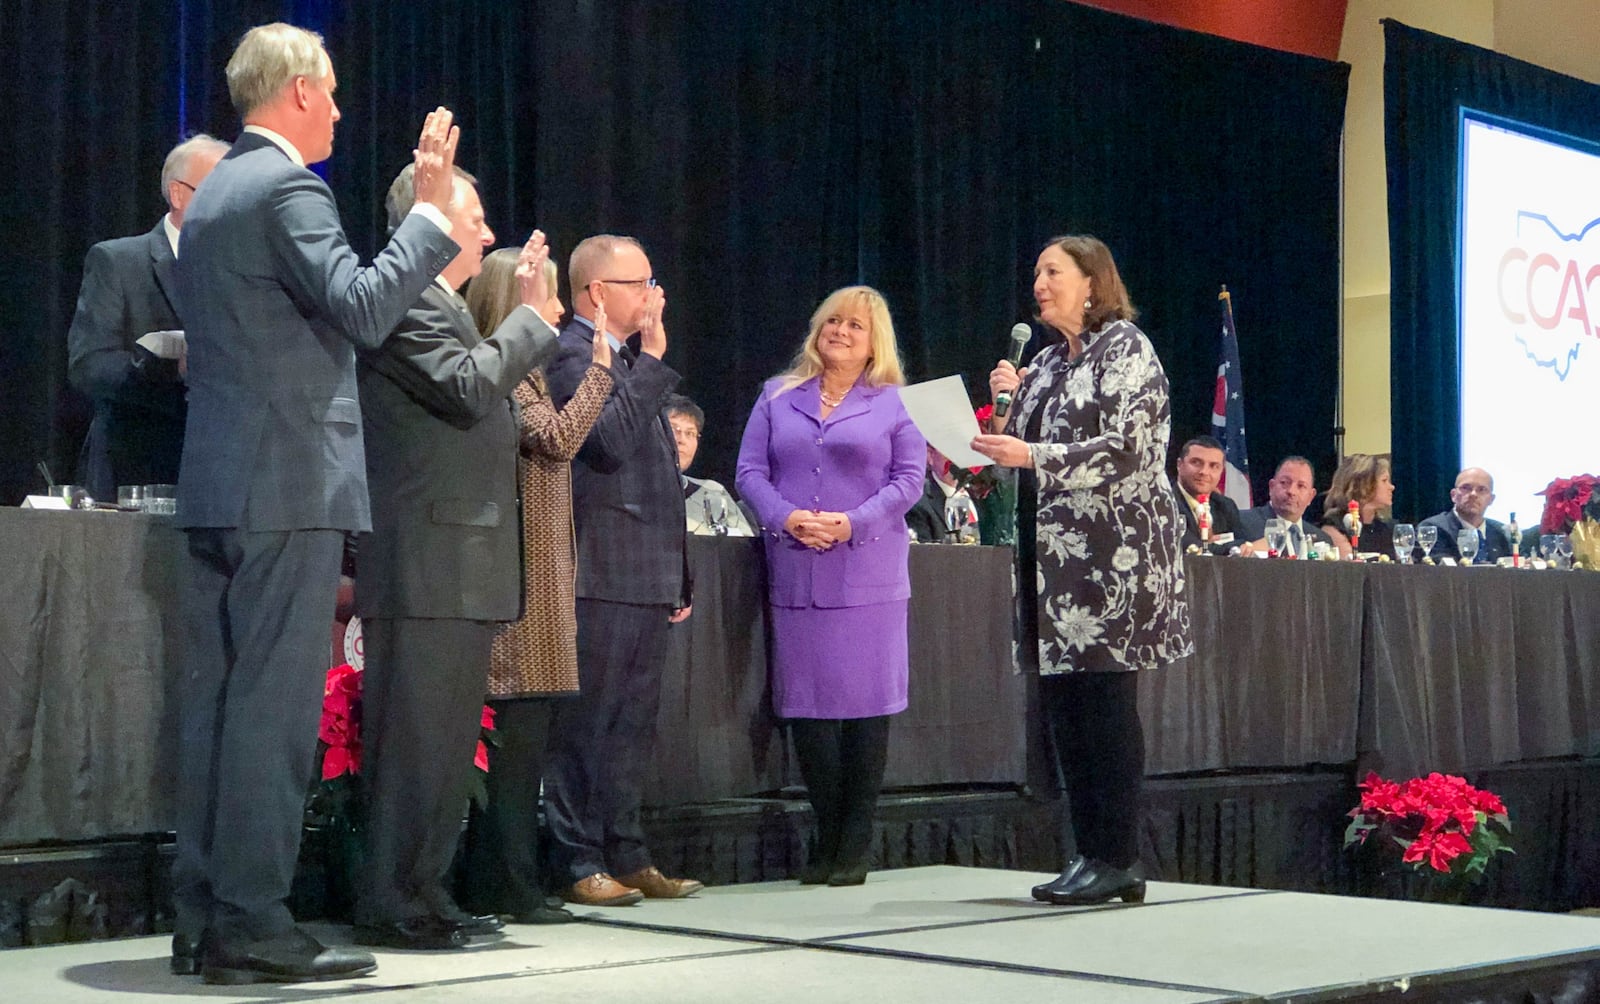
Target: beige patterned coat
x,y
538,655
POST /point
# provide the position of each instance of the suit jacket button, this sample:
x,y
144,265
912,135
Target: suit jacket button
x,y
819,440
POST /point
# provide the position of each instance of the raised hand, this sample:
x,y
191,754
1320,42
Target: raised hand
x,y
652,330
602,344
532,288
435,159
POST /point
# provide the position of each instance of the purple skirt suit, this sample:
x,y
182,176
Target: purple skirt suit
x,y
838,616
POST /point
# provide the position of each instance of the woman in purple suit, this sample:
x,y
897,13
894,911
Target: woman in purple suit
x,y
831,462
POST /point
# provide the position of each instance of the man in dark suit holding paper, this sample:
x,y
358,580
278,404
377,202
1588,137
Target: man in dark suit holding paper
x,y
273,302
440,571
632,580
126,295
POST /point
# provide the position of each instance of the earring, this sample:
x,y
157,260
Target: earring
x,y
1087,304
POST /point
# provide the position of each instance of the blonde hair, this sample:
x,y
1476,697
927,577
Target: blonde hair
x,y
493,292
1356,479
883,361
267,58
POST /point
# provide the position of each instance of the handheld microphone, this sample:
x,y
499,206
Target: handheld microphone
x,y
1020,333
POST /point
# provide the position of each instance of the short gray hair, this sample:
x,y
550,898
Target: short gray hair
x,y
403,194
267,58
177,163
590,252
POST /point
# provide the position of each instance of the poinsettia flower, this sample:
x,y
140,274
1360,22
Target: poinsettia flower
x,y
340,760
1438,849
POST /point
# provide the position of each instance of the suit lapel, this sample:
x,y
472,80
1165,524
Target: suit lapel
x,y
161,262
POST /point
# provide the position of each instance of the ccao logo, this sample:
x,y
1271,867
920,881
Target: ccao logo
x,y
1546,290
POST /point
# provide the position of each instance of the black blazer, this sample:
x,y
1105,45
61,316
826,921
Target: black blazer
x,y
138,397
1224,519
627,496
441,438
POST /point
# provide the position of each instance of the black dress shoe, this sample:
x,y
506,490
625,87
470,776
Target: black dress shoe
x,y
291,957
471,924
1099,882
816,873
418,934
544,913
185,955
1063,882
849,874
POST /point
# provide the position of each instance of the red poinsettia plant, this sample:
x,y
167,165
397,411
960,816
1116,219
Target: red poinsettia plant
x,y
1567,501
977,482
1441,824
339,742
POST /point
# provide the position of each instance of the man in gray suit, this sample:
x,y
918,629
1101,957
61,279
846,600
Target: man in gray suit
x,y
441,567
273,476
633,579
127,294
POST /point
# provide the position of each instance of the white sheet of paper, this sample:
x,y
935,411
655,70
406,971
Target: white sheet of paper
x,y
164,344
943,414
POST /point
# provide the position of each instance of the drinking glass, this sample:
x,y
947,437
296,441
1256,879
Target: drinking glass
x,y
130,496
716,515
1427,536
1405,538
1467,544
1277,535
1547,546
1563,551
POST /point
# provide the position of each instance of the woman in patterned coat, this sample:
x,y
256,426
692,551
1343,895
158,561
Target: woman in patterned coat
x,y
534,660
1099,567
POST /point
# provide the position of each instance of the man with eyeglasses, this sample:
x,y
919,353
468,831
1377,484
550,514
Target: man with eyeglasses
x,y
1472,496
633,580
134,376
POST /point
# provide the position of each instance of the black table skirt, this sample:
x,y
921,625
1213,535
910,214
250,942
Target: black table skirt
x,y
1298,663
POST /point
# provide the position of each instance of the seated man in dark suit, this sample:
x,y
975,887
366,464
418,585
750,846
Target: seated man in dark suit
x,y
138,395
1200,465
1289,494
441,570
927,519
1470,498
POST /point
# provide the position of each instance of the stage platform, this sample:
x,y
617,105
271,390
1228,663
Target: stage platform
x,y
930,934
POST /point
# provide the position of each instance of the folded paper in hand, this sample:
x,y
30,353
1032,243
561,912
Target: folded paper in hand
x,y
164,344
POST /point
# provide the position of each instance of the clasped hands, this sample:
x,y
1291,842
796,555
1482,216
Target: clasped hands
x,y
818,530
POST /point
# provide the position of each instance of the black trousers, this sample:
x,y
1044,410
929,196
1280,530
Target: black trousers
x,y
842,762
421,709
1092,723
601,742
501,871
256,608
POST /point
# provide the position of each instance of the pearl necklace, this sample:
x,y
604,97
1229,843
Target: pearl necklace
x,y
832,401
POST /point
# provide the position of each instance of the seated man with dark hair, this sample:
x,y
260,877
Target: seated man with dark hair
x,y
1200,465
709,508
1289,494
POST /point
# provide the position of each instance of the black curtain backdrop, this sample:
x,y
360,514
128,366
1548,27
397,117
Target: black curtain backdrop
x,y
765,154
1427,80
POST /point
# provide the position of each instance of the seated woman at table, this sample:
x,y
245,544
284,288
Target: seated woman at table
x,y
1365,480
831,462
534,661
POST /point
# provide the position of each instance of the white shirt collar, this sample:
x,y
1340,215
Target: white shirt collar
x,y
278,141
172,233
444,284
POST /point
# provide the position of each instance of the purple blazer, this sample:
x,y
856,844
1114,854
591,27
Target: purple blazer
x,y
866,461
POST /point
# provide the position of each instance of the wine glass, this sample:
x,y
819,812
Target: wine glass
x,y
1467,544
1547,547
1405,538
716,515
1427,536
1277,535
1563,551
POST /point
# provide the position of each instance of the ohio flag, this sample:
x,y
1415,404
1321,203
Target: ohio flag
x,y
1227,412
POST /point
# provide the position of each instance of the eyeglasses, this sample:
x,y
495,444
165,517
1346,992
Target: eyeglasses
x,y
690,433
1473,489
185,184
649,283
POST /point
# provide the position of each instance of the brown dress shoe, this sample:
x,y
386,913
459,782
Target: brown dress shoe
x,y
601,889
655,885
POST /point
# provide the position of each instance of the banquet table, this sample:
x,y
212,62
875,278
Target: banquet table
x,y
1403,669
